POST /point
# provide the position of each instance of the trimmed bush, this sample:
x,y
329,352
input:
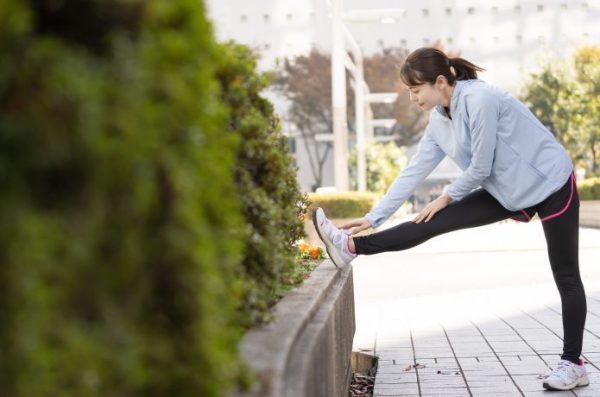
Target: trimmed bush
x,y
589,189
343,205
120,227
266,182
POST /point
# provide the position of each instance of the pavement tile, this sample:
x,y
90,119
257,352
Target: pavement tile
x,y
444,311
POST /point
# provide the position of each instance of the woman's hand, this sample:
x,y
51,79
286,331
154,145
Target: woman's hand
x,y
433,208
356,225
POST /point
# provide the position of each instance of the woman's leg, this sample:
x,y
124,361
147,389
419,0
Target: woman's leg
x,y
476,209
562,237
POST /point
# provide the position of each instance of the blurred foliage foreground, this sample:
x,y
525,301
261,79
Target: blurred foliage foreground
x,y
149,203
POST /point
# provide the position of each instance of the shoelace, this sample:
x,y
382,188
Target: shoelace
x,y
563,369
335,234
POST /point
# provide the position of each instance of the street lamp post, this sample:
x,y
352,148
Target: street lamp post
x,y
339,61
338,99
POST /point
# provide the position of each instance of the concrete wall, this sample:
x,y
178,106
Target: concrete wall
x,y
589,213
306,350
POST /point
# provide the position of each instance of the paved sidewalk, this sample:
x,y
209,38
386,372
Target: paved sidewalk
x,y
472,313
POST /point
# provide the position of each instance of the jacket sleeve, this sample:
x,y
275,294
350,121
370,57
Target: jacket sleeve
x,y
483,112
428,156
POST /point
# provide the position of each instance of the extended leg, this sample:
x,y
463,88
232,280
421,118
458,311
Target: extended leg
x,y
476,209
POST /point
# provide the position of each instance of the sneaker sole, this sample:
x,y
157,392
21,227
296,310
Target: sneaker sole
x,y
327,243
581,382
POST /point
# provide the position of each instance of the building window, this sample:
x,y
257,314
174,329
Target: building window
x,y
292,144
266,17
448,11
425,12
540,8
471,10
517,9
243,18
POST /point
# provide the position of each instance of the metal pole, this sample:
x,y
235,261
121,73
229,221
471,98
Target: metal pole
x,y
360,125
338,99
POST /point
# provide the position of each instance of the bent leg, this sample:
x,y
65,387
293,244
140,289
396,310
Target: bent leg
x,y
476,209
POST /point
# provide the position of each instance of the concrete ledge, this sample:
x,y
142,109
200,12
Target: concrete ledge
x,y
589,213
306,350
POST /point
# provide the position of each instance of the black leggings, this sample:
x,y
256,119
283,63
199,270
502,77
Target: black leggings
x,y
560,219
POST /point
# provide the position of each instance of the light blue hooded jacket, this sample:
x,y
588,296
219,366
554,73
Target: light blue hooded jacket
x,y
497,143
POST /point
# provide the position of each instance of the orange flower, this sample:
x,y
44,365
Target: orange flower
x,y
304,247
315,253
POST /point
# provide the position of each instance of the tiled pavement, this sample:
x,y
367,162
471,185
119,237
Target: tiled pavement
x,y
446,319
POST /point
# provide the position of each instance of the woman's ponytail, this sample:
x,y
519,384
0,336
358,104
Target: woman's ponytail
x,y
426,64
463,69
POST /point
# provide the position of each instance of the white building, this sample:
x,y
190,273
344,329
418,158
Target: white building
x,y
506,37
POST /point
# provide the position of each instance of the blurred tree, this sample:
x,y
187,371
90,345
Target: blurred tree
x,y
305,81
381,74
384,163
587,73
564,97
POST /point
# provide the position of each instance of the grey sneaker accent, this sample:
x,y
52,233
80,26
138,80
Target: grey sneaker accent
x,y
336,240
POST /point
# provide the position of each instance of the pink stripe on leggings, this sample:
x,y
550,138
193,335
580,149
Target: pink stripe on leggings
x,y
526,215
566,206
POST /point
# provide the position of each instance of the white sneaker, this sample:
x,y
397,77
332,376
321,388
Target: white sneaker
x,y
567,376
336,240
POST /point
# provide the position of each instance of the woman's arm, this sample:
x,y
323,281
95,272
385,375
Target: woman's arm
x,y
428,156
483,113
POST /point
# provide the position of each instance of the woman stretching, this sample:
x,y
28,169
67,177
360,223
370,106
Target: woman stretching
x,y
513,167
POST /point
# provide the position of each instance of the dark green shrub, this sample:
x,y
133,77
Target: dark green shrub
x,y
343,205
266,183
589,189
120,225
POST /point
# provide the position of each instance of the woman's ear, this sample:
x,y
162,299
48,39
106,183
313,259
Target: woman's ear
x,y
441,81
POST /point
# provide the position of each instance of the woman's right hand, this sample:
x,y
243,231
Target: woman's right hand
x,y
356,225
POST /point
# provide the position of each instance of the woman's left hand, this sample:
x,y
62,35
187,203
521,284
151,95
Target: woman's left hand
x,y
433,208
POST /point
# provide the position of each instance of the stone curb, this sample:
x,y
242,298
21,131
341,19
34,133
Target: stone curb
x,y
306,350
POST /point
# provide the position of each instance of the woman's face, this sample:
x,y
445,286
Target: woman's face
x,y
426,96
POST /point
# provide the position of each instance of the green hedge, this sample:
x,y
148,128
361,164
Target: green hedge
x,y
267,184
589,189
120,229
343,205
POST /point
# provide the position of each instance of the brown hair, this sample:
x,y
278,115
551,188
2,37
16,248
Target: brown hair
x,y
426,64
